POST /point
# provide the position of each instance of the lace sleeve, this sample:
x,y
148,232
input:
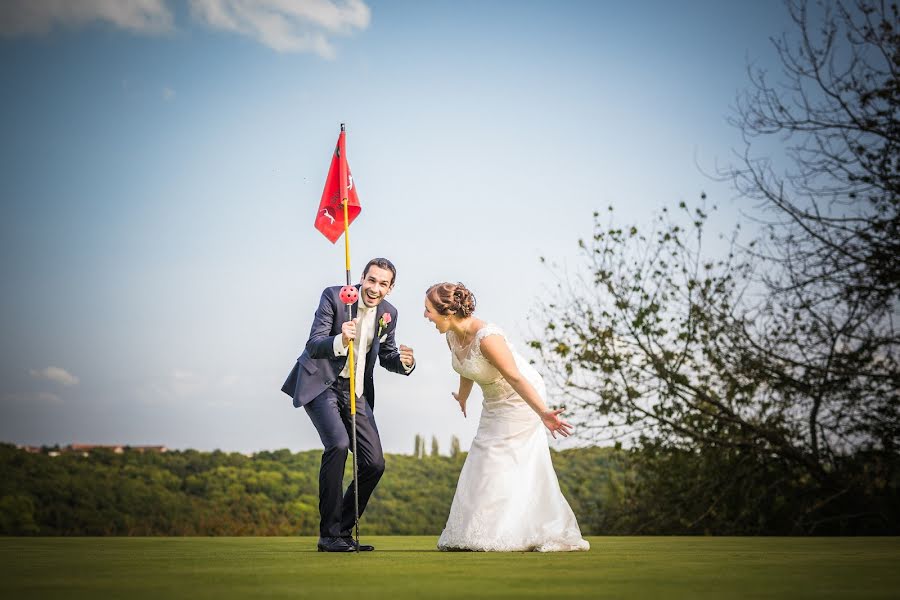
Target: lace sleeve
x,y
489,329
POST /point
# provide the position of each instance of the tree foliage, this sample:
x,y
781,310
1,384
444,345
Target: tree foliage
x,y
454,447
759,381
835,108
270,493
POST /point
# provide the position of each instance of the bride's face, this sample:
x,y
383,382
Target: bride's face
x,y
441,323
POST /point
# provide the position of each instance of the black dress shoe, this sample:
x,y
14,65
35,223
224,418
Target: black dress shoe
x,y
362,547
334,544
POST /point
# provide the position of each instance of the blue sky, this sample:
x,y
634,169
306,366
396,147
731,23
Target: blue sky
x,y
162,162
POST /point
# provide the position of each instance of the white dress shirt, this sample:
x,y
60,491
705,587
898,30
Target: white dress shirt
x,y
365,327
365,334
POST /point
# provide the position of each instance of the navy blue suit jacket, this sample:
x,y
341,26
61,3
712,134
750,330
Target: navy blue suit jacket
x,y
317,367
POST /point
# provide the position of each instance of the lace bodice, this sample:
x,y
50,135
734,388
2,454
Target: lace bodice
x,y
470,363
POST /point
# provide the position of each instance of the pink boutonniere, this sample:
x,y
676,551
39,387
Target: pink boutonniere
x,y
383,322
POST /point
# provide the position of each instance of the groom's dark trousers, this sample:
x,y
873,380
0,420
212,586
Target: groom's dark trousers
x,y
330,414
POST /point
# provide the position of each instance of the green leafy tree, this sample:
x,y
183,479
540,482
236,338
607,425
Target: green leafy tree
x,y
756,380
218,493
454,447
419,451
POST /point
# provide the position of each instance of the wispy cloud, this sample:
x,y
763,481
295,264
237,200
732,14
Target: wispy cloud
x,y
60,376
24,17
286,25
168,94
49,397
283,25
186,383
182,385
30,398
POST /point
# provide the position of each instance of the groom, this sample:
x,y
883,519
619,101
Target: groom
x,y
320,384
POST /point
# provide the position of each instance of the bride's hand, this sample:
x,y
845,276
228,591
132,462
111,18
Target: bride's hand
x,y
555,424
462,402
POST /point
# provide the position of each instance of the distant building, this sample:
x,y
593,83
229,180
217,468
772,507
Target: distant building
x,y
142,449
117,448
85,449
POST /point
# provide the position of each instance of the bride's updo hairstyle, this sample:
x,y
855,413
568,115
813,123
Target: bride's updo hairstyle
x,y
451,299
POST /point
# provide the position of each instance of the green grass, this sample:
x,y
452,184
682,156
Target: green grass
x,y
410,567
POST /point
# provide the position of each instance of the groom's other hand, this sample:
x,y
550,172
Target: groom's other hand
x,y
406,356
348,331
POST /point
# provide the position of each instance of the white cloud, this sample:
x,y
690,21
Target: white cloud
x,y
183,375
181,385
286,25
283,25
23,17
49,398
30,398
186,384
60,376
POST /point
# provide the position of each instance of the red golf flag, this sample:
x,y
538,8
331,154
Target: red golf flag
x,y
330,217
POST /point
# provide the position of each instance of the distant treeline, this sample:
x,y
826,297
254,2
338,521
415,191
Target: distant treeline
x,y
611,491
271,493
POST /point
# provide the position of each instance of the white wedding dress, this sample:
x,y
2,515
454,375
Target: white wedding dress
x,y
508,496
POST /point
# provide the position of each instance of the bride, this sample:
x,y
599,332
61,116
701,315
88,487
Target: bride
x,y
508,497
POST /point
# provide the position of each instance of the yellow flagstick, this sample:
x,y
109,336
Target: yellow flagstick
x,y
352,373
349,311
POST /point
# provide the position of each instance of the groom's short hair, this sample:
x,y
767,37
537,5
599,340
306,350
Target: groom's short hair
x,y
382,263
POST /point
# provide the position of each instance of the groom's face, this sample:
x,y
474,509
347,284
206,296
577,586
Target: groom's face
x,y
376,283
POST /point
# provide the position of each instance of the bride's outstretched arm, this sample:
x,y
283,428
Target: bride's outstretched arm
x,y
465,388
494,348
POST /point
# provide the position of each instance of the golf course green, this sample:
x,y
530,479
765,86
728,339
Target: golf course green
x,y
410,567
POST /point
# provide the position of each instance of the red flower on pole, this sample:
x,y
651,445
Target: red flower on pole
x,y
338,185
